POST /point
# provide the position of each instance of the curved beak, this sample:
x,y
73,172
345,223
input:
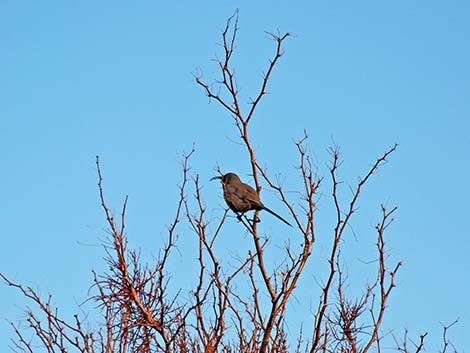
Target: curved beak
x,y
216,177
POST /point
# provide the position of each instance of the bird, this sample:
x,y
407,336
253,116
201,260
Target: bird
x,y
241,197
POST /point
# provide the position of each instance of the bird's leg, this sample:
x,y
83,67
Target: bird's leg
x,y
240,215
250,222
241,218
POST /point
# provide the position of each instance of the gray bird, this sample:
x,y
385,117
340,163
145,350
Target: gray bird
x,y
241,197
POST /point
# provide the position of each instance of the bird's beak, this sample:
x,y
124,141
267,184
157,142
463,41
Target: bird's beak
x,y
216,177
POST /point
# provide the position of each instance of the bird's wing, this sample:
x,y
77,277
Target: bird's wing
x,y
236,199
252,197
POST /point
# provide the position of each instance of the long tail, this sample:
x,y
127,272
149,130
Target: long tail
x,y
276,215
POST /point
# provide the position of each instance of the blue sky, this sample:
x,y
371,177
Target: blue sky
x,y
82,78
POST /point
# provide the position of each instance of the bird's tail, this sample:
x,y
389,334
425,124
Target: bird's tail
x,y
276,215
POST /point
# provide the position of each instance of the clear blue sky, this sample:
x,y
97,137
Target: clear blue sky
x,y
108,78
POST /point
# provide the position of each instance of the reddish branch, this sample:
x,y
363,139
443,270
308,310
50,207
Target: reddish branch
x,y
53,332
342,221
232,104
128,289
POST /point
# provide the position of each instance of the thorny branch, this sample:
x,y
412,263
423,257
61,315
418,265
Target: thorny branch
x,y
342,221
290,275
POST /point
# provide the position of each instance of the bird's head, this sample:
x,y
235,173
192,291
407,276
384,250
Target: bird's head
x,y
227,178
